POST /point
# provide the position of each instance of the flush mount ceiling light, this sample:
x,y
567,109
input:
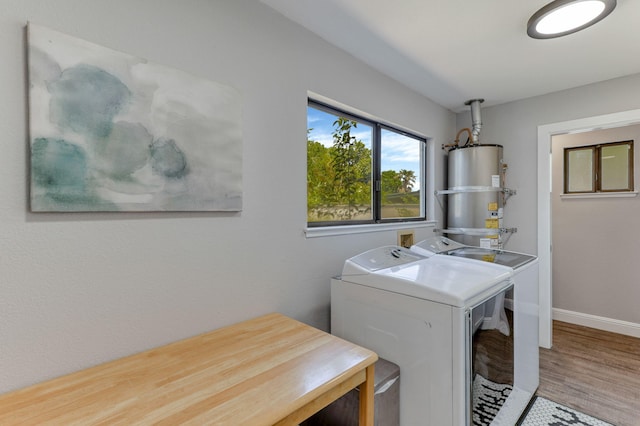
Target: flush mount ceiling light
x,y
562,17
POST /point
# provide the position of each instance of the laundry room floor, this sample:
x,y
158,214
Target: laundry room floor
x,y
593,371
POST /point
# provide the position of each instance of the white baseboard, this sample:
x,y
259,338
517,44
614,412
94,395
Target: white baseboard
x,y
600,323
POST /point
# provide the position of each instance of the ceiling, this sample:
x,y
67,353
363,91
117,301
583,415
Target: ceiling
x,y
455,50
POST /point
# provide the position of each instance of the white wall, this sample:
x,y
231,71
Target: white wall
x,y
80,289
595,240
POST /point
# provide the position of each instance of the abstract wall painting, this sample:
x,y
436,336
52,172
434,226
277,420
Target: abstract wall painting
x,y
113,132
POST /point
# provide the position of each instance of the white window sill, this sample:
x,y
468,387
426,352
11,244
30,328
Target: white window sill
x,y
602,195
328,231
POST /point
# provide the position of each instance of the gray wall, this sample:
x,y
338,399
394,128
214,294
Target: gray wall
x,y
595,240
514,125
79,289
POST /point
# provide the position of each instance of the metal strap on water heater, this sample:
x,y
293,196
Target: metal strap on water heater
x,y
463,189
478,232
460,190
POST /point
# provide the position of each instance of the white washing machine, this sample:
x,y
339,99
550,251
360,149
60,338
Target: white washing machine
x,y
419,312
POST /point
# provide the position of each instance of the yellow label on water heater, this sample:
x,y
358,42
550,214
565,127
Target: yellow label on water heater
x,y
493,207
491,223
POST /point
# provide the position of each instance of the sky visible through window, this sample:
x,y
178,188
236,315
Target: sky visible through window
x,y
397,153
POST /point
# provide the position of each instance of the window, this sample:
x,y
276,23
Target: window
x,y
361,171
599,168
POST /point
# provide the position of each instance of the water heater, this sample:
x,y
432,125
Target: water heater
x,y
476,189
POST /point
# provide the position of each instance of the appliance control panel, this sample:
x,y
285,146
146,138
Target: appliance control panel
x,y
385,257
439,244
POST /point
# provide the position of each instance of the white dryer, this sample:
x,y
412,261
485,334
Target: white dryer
x,y
418,312
523,301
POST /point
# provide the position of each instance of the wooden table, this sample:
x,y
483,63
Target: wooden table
x,y
270,370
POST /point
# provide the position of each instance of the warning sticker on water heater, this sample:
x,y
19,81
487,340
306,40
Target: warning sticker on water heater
x,y
495,181
491,242
493,207
491,223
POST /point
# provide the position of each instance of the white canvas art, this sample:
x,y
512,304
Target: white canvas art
x,y
113,132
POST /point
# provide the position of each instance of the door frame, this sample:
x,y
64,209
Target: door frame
x,y
545,244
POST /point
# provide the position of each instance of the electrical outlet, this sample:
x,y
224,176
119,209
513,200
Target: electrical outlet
x,y
405,238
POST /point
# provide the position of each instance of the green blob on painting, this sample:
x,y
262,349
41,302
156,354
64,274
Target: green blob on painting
x,y
86,99
123,152
58,166
59,177
167,159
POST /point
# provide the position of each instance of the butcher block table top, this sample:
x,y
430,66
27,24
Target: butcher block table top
x,y
270,370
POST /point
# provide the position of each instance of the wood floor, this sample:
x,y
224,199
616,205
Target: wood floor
x,y
593,371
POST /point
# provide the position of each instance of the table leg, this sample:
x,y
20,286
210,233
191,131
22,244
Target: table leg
x,y
366,398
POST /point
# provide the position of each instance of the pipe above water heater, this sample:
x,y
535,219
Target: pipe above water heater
x,y
474,132
476,119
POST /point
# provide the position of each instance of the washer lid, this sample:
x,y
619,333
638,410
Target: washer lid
x,y
446,246
439,278
507,258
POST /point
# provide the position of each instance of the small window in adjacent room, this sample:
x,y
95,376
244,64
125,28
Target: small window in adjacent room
x,y
361,171
599,168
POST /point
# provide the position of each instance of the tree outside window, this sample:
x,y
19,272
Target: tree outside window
x,y
360,171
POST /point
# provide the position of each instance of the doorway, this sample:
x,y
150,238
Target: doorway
x,y
545,134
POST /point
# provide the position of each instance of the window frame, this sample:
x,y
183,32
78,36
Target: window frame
x,y
376,165
596,164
